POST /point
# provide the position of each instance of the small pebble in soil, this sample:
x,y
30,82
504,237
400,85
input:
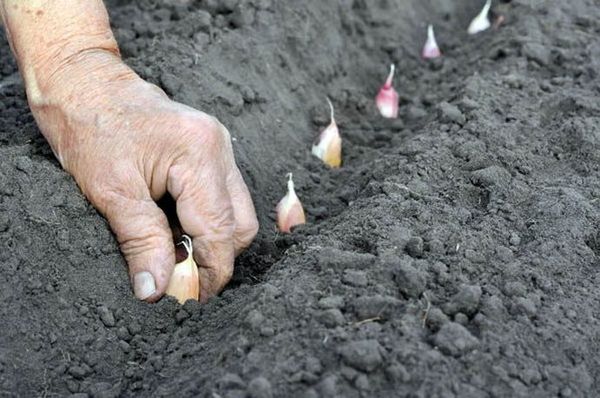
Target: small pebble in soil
x,y
449,113
255,319
461,318
349,373
455,340
493,307
435,246
414,246
270,291
410,281
397,373
124,346
328,386
355,278
331,318
77,371
515,239
104,390
242,16
537,52
134,328
363,355
230,381
438,267
524,306
73,386
310,393
267,331
468,104
366,307
466,300
362,382
106,316
123,333
512,289
474,256
313,365
571,314
260,387
331,302
436,319
492,176
504,253
566,392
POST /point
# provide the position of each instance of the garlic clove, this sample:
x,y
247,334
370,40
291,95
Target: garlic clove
x,y
185,283
387,98
431,49
481,22
289,209
328,146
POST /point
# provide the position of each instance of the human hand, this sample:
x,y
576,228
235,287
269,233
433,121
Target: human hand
x,y
127,145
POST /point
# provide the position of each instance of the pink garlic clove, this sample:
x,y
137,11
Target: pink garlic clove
x,y
431,49
328,146
289,209
387,98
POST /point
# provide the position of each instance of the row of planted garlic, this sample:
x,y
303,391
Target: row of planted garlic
x,y
328,146
185,284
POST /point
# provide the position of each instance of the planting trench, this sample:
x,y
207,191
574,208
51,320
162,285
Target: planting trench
x,y
453,254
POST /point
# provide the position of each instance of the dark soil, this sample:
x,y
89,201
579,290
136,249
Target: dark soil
x,y
454,255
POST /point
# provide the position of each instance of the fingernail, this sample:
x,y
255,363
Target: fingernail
x,y
143,285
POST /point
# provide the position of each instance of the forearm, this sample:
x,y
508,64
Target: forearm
x,y
68,58
47,36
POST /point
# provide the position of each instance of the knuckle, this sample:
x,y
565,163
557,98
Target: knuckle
x,y
206,129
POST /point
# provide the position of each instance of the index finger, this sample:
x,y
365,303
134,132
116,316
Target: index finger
x,y
205,212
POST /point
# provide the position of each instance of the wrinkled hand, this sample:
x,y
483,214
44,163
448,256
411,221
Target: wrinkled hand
x,y
127,145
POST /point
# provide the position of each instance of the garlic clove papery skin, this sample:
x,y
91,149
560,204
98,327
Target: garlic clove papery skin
x,y
185,283
481,22
387,98
289,209
328,146
431,49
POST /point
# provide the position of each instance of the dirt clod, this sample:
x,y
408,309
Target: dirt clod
x,y
454,339
363,355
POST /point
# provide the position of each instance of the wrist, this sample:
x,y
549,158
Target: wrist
x,y
48,74
75,94
80,74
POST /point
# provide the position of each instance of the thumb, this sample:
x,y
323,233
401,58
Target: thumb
x,y
146,241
